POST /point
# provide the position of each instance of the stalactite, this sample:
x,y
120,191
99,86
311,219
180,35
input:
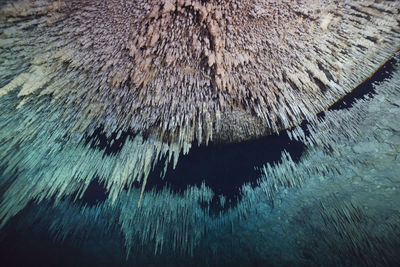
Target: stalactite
x,y
172,73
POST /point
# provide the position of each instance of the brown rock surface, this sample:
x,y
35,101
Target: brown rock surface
x,y
196,70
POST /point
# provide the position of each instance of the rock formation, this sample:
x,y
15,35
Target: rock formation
x,y
337,206
171,73
193,70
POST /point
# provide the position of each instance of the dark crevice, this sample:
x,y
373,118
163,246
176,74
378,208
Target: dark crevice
x,y
322,87
326,72
94,194
110,145
372,39
224,168
360,13
361,47
285,79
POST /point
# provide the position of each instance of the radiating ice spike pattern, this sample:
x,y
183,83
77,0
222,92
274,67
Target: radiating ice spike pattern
x,y
339,205
176,73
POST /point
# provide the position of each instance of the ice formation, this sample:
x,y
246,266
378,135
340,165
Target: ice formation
x,y
173,73
338,206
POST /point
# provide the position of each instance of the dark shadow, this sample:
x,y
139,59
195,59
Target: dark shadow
x,y
226,167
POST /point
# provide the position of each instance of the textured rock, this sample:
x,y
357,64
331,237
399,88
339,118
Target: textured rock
x,y
185,70
169,73
365,147
334,207
394,139
181,71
